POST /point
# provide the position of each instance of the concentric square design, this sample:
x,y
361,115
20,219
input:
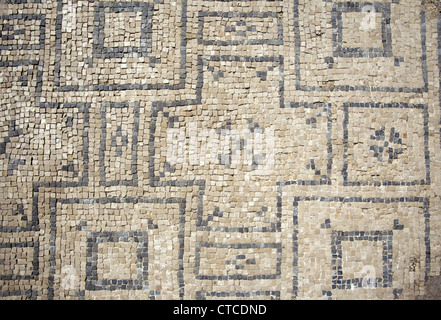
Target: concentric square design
x,y
124,251
362,243
22,32
139,13
363,239
136,276
358,46
383,28
117,43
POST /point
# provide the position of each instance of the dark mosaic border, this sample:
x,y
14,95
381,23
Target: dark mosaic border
x,y
424,202
398,106
134,164
337,24
28,294
110,285
297,54
244,16
275,275
117,87
338,280
95,238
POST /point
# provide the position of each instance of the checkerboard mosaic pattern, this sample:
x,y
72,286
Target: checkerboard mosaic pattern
x,y
217,149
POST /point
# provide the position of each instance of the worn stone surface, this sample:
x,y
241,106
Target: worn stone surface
x,y
208,149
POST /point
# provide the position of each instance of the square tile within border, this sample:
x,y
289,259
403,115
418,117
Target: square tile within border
x,y
425,111
102,52
53,233
337,25
116,87
295,236
95,238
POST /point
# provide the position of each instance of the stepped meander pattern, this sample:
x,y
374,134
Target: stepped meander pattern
x,y
217,149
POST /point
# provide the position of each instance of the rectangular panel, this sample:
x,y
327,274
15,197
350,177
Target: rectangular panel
x,y
119,144
136,245
341,58
238,261
61,140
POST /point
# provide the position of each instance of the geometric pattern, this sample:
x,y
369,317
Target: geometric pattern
x,y
338,242
348,246
346,19
102,51
396,157
121,146
100,239
249,149
118,54
384,48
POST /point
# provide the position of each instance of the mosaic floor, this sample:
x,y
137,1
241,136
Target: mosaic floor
x,y
208,149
